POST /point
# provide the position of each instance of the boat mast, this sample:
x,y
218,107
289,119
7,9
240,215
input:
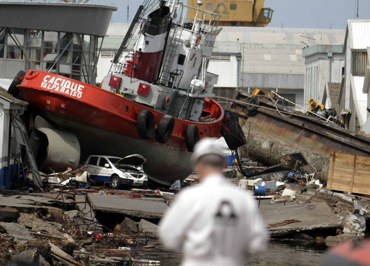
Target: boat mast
x,y
174,6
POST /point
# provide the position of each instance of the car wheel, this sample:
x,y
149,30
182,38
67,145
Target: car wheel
x,y
116,181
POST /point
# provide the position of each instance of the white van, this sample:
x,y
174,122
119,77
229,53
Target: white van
x,y
119,171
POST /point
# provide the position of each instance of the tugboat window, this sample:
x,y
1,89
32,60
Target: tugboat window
x,y
181,59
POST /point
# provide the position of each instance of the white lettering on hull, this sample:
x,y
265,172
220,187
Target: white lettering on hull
x,y
62,86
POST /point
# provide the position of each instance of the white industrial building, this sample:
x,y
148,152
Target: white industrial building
x,y
354,97
272,57
249,57
324,69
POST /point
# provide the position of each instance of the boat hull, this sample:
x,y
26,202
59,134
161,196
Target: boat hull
x,y
270,135
165,164
105,123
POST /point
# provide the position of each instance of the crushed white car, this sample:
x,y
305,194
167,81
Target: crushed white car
x,y
119,171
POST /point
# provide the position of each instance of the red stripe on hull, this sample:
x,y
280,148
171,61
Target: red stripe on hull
x,y
147,66
98,107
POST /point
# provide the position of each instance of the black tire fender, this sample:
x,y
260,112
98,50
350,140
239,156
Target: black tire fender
x,y
191,137
146,124
13,90
332,112
164,129
252,104
238,134
230,141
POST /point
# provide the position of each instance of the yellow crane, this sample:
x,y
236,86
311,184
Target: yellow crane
x,y
236,12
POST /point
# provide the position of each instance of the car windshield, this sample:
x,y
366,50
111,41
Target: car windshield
x,y
114,160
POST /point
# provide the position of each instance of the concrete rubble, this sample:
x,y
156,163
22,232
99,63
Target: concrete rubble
x,y
61,228
72,222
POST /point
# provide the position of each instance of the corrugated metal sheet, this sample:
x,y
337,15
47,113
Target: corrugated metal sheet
x,y
333,90
227,71
276,59
226,47
117,29
111,43
359,32
262,35
282,36
359,63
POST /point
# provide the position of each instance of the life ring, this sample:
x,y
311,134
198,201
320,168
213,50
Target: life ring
x,y
164,129
16,81
191,137
145,124
166,102
198,39
252,104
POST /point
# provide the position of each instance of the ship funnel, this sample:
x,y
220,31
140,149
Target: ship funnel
x,y
150,46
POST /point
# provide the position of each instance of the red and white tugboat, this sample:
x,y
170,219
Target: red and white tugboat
x,y
156,100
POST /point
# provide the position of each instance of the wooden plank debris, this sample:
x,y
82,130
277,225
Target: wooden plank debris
x,y
285,222
349,173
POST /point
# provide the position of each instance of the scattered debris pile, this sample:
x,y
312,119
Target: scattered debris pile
x,y
60,228
79,178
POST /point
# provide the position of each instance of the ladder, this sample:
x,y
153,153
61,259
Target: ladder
x,y
171,53
118,62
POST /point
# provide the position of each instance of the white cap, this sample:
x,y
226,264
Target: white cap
x,y
206,146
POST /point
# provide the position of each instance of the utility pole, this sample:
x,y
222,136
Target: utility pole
x,y
128,11
358,7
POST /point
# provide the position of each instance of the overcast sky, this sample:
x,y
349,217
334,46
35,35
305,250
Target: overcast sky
x,y
288,13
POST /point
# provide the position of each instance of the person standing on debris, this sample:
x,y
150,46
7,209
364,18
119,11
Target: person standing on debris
x,y
213,223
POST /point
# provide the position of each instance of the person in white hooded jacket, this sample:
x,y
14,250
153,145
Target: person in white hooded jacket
x,y
213,223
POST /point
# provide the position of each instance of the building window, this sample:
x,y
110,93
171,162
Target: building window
x,y
232,6
107,54
220,57
209,6
15,40
359,63
2,42
67,54
267,12
33,48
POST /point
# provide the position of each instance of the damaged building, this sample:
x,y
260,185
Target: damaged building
x,y
11,108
